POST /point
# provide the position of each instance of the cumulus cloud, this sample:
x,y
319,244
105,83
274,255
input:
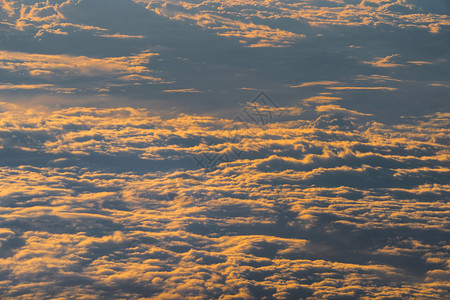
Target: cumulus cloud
x,y
322,203
338,189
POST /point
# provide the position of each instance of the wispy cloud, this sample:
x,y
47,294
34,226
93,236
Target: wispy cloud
x,y
191,90
386,62
48,87
314,83
337,108
340,88
439,84
65,68
122,36
420,62
321,99
64,65
25,86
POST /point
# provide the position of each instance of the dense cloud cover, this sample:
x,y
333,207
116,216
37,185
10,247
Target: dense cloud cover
x,y
136,162
109,203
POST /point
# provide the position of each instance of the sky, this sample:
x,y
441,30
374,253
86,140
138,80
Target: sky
x,y
209,149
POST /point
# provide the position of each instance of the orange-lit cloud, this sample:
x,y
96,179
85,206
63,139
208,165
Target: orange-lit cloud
x,y
386,62
182,91
315,83
321,99
74,65
104,200
342,13
337,190
356,88
48,67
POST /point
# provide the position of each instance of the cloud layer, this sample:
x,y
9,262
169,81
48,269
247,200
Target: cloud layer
x,y
323,203
135,164
152,51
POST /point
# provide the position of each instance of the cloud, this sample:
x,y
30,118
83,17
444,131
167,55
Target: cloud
x,y
46,87
315,83
250,34
122,36
337,108
321,99
419,62
282,199
261,45
439,85
344,13
5,235
74,65
109,201
356,88
387,62
66,68
377,78
182,91
24,86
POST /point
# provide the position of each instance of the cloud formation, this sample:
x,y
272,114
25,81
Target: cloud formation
x,y
324,203
175,182
223,16
106,50
119,70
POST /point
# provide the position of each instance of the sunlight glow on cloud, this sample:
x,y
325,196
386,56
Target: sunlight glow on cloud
x,y
315,83
387,62
65,67
182,91
222,15
103,204
361,88
137,163
74,65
